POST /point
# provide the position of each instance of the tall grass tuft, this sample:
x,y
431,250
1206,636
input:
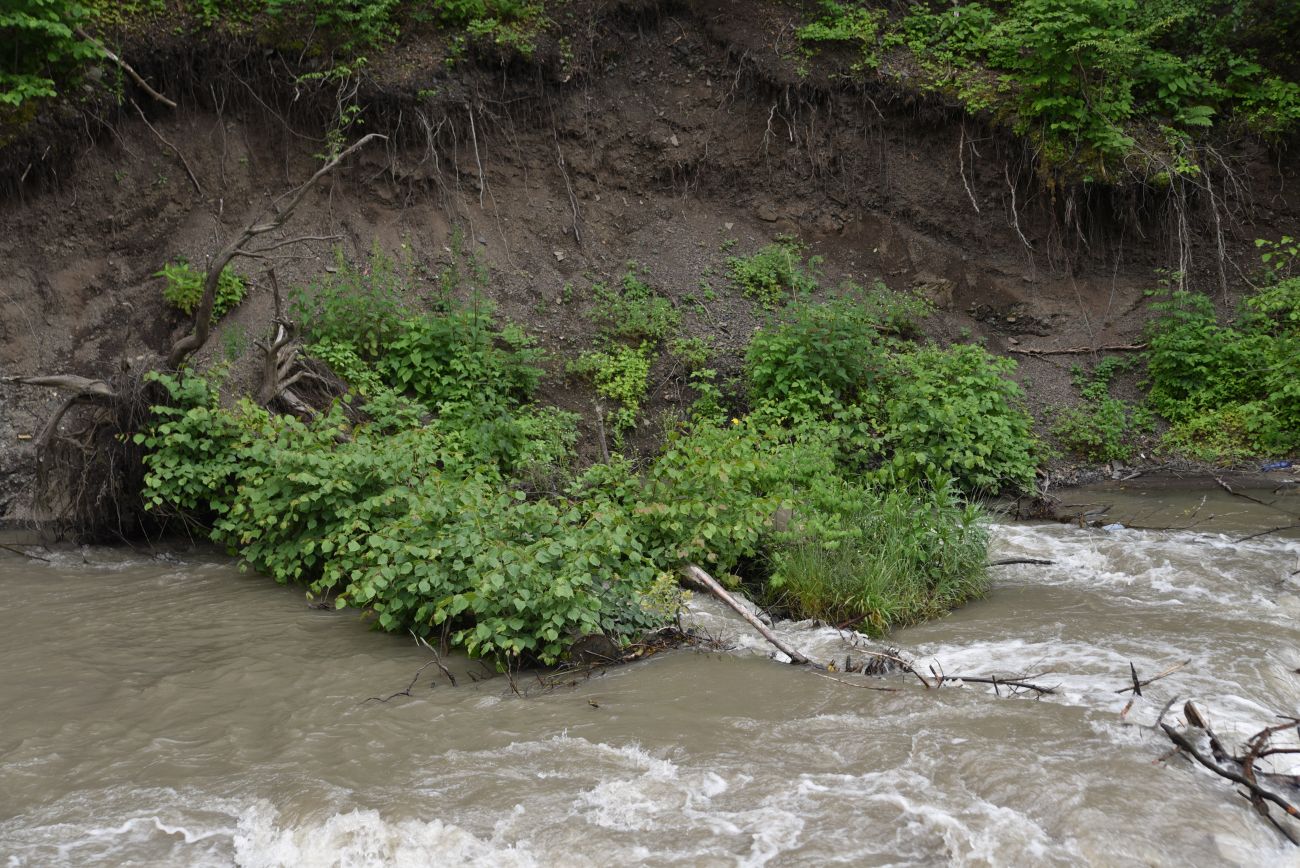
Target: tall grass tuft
x,y
905,558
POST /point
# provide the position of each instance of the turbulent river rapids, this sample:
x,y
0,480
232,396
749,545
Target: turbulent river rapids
x,y
166,709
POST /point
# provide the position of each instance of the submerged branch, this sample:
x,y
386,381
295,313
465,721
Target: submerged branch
x,y
1258,795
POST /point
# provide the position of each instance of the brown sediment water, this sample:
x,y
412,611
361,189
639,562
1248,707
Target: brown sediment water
x,y
174,711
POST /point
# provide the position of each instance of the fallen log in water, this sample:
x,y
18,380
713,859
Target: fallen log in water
x,y
700,579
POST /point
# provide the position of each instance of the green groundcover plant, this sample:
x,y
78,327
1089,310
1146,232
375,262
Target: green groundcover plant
x,y
449,503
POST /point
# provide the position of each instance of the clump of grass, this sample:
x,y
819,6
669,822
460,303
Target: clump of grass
x,y
906,559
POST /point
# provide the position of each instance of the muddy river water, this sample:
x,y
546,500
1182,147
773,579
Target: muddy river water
x,y
169,710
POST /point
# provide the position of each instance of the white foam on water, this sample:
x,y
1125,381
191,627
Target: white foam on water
x,y
1151,568
627,793
362,838
919,821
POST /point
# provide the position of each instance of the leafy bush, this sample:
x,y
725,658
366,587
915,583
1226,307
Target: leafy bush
x,y
40,47
904,414
458,357
355,24
450,510
346,362
816,356
776,502
1104,88
414,524
1228,390
954,412
184,289
633,322
775,272
893,313
692,353
856,25
635,314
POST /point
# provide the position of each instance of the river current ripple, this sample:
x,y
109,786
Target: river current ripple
x,y
173,711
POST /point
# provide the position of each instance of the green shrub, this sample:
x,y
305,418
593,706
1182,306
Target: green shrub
x,y
692,353
903,414
459,357
1245,375
634,313
345,361
954,412
354,24
840,22
1230,433
447,510
775,272
891,312
633,322
184,289
41,48
817,356
420,525
1104,89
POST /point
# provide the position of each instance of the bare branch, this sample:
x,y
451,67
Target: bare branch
x,y
1255,789
698,577
67,382
1113,348
195,340
126,67
285,243
1137,685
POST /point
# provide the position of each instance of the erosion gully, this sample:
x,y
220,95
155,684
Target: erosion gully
x,y
165,709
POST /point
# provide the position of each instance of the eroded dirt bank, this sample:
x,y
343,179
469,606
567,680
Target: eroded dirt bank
x,y
675,137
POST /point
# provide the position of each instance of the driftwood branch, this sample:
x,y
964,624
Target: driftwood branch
x,y
1000,682
125,67
409,687
1137,685
66,382
286,242
19,551
1008,561
1258,795
1072,351
194,341
1271,530
698,577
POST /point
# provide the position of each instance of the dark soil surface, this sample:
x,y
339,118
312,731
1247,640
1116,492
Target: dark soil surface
x,y
672,140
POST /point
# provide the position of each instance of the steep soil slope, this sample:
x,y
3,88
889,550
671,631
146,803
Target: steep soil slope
x,y
675,139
